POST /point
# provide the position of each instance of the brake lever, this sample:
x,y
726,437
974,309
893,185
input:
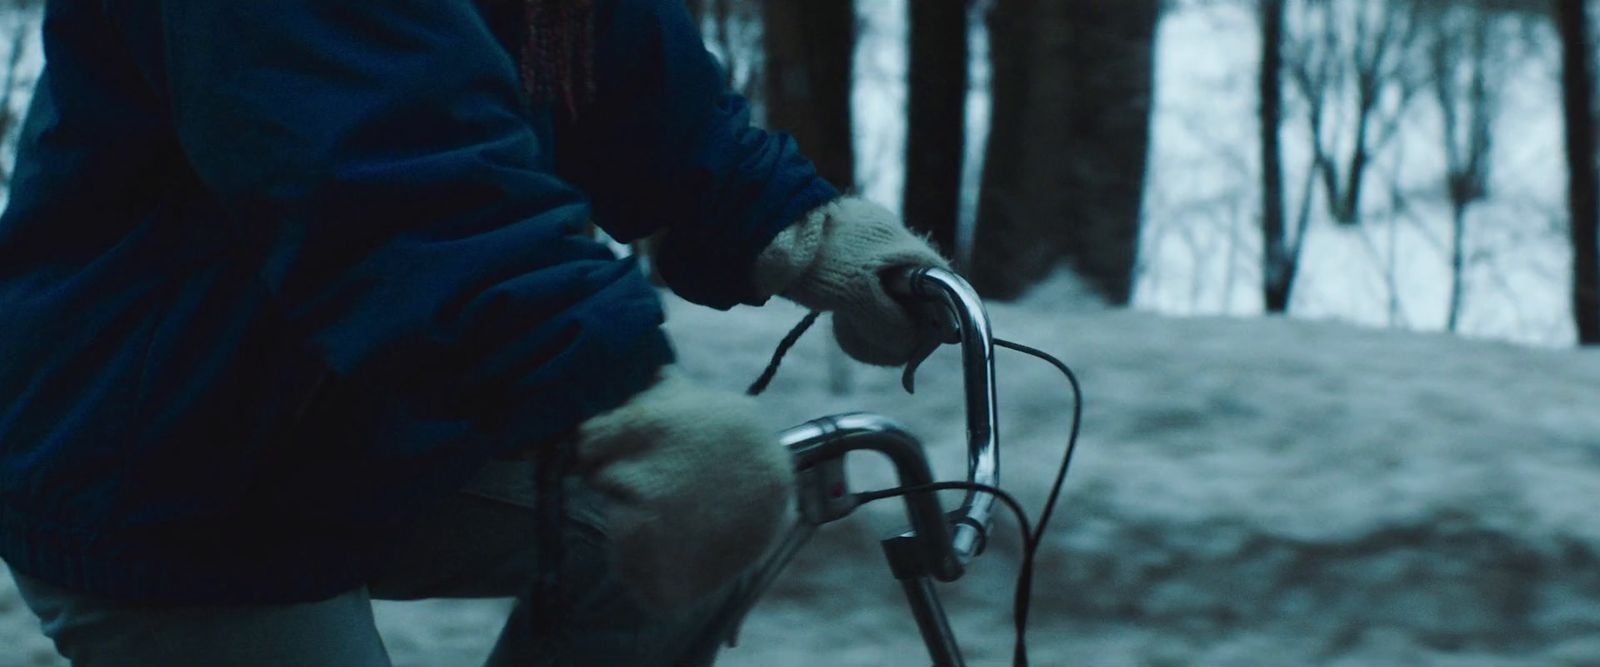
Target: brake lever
x,y
925,349
936,325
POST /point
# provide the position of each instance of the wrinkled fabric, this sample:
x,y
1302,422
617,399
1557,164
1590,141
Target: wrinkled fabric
x,y
276,274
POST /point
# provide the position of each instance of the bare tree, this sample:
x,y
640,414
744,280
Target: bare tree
x,y
1352,64
1577,86
1464,92
936,119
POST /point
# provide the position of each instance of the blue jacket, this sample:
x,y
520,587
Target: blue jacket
x,y
275,274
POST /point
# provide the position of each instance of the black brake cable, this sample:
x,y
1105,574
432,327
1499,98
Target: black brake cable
x,y
1032,536
1025,578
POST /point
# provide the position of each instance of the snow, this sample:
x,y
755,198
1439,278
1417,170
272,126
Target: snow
x,y
1247,492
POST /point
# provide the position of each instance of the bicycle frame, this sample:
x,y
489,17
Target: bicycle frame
x,y
938,546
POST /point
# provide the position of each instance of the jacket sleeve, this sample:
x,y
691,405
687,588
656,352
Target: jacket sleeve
x,y
379,157
665,145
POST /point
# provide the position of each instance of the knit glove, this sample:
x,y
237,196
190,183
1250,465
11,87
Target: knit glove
x,y
697,485
833,260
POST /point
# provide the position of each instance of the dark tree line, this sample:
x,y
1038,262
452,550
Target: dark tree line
x,y
1065,162
1071,88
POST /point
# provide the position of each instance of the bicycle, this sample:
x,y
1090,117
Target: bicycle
x,y
938,546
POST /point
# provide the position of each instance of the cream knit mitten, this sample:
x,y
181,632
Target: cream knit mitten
x,y
832,260
696,483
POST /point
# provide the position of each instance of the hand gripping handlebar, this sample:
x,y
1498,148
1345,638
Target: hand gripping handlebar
x,y
946,310
948,305
938,546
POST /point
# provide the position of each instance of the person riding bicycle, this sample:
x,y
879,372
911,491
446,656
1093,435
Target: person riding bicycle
x,y
300,309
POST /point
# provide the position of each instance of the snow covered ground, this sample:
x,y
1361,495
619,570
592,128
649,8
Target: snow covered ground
x,y
1248,492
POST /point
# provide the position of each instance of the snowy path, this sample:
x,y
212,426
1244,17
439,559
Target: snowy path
x,y
1248,492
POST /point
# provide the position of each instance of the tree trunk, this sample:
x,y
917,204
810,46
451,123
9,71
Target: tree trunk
x,y
1064,173
809,48
1467,112
1007,254
1458,263
1278,266
936,119
1578,96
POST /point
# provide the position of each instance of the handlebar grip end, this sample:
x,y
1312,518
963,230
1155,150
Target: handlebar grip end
x,y
903,281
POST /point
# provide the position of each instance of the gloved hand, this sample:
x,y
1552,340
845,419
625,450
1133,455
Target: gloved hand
x,y
832,261
697,485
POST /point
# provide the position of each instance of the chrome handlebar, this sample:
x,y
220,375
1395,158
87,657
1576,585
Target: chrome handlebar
x,y
819,447
957,298
938,546
950,311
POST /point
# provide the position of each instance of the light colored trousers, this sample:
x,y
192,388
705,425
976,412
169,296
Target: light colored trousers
x,y
481,543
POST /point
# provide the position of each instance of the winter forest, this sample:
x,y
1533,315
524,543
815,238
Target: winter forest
x,y
1329,271
1398,164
